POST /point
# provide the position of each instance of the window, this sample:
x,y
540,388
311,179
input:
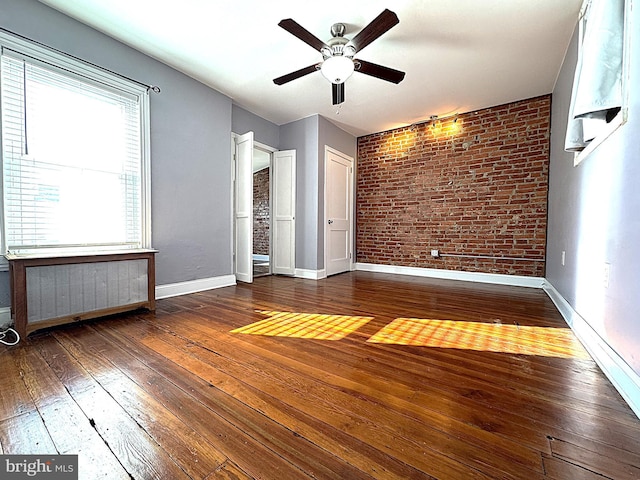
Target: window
x,y
74,154
598,99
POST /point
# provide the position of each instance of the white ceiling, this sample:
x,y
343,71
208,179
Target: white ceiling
x,y
458,55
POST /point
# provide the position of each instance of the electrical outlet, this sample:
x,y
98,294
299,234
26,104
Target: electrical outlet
x,y
606,274
435,253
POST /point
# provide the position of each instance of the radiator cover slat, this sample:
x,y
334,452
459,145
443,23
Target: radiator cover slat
x,y
55,291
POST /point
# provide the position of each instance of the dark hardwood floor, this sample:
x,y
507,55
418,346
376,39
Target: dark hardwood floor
x,y
357,376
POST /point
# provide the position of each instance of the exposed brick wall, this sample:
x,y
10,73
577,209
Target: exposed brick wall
x,y
474,187
261,212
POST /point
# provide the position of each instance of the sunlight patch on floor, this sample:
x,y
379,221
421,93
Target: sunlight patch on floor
x,y
304,325
486,337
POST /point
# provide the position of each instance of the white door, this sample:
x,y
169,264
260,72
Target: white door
x,y
244,208
338,207
283,218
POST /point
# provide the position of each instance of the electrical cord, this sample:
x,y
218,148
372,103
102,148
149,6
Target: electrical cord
x,y
4,334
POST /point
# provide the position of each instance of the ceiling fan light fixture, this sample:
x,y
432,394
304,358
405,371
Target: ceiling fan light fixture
x,y
337,69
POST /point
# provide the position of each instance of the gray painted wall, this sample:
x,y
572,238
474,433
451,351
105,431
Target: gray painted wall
x,y
333,136
302,136
594,216
190,135
263,130
309,137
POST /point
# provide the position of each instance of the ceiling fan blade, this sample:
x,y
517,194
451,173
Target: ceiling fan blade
x,y
297,74
337,90
381,24
297,30
379,71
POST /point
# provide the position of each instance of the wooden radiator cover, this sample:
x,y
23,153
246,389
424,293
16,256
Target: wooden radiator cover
x,y
53,290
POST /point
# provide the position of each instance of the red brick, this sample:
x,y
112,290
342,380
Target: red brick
x,y
481,191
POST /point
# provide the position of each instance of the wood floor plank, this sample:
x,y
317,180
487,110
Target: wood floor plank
x,y
548,409
217,403
497,399
337,387
14,397
600,459
588,375
26,434
118,409
491,391
70,430
431,397
230,440
228,471
354,415
437,402
484,358
560,469
588,424
298,427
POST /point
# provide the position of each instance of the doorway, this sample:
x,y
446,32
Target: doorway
x,y
261,212
271,225
338,201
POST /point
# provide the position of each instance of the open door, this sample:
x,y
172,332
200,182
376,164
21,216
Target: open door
x,y
244,208
284,212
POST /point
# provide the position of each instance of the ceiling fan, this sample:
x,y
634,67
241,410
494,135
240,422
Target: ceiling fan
x,y
338,53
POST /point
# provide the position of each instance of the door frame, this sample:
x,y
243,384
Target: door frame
x,y
327,150
270,150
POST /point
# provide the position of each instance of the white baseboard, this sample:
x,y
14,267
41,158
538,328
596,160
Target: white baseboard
x,y
310,274
5,318
513,280
193,286
621,375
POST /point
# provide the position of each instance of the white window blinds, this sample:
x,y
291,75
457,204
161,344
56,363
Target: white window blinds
x,y
72,156
597,95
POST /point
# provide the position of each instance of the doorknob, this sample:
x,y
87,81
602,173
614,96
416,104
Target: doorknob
x,y
330,222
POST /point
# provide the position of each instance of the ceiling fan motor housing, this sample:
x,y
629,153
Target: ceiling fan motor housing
x,y
337,47
338,29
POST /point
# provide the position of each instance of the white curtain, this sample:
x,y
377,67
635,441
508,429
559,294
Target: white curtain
x,y
597,86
